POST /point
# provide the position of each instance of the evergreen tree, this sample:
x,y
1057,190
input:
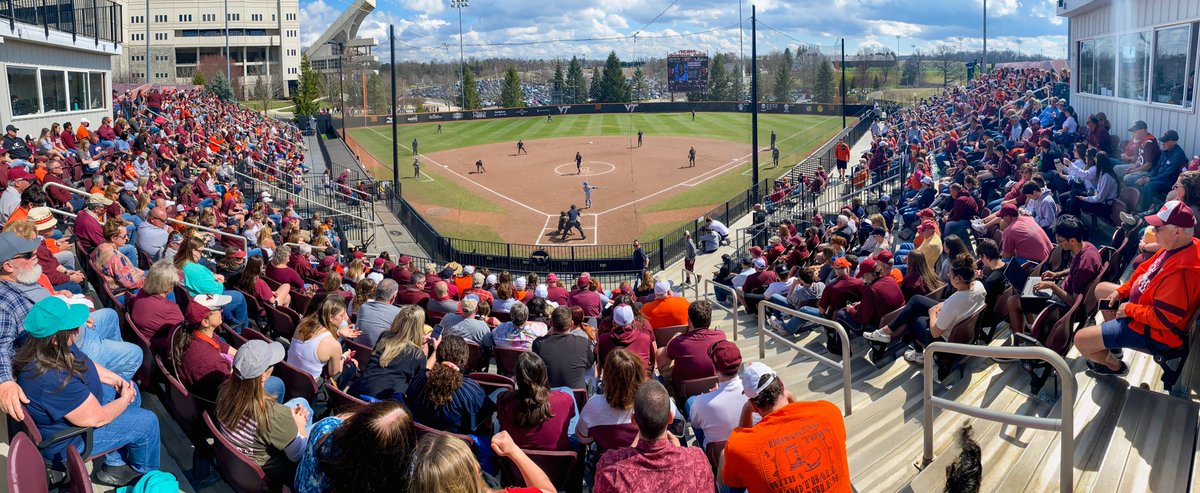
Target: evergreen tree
x,y
613,89
511,95
220,87
576,87
308,89
826,87
910,75
471,92
559,84
784,83
638,85
378,95
595,91
198,78
721,83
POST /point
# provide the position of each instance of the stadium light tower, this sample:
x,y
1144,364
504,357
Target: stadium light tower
x,y
462,68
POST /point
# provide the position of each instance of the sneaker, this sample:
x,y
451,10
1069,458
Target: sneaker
x,y
1100,369
915,357
1118,353
977,225
1128,219
878,336
776,325
116,476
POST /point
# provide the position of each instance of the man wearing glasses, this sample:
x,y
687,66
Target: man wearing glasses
x,y
1150,310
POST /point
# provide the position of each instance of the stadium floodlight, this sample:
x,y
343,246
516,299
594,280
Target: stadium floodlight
x,y
462,70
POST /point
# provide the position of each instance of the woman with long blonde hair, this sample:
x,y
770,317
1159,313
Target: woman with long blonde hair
x,y
400,354
445,464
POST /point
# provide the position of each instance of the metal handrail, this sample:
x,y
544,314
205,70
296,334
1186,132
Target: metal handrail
x,y
702,290
335,213
842,366
63,213
245,241
1065,425
64,187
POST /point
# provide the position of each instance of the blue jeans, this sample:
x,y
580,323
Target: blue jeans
x,y
960,228
69,286
134,432
102,343
206,203
134,221
235,311
130,252
274,387
793,324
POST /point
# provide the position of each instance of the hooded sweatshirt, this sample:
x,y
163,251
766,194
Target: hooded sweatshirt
x,y
637,337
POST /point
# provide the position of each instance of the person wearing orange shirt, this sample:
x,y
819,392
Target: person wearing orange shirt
x,y
81,132
842,153
797,446
667,309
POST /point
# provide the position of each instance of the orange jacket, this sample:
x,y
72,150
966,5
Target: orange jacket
x,y
842,152
1169,299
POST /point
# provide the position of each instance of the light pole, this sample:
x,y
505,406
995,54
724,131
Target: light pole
x,y
148,41
228,55
984,67
462,68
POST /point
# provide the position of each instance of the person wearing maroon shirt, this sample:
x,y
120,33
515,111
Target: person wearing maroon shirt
x,y
300,264
537,417
881,295
555,292
60,277
59,197
964,208
686,356
68,137
756,283
843,290
401,273
153,315
627,330
413,293
1085,265
88,228
278,270
583,297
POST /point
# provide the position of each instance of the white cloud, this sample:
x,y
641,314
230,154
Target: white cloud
x,y
895,28
423,6
315,18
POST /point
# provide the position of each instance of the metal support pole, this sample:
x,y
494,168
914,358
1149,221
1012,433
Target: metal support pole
x,y
753,104
147,19
395,150
984,68
843,83
228,55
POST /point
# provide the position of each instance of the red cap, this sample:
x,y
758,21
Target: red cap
x,y
726,357
19,173
926,212
755,251
866,266
927,225
405,260
359,254
1175,213
885,256
1009,210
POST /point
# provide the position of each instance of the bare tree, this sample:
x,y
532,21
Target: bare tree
x,y
945,60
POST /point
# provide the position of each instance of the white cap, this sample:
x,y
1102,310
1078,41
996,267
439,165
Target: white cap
x,y
752,378
622,315
760,263
662,287
491,279
468,270
213,301
519,283
541,291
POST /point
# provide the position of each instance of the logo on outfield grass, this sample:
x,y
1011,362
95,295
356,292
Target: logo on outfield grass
x,y
562,110
631,107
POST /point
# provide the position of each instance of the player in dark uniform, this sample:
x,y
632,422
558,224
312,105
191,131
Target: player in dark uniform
x,y
578,163
479,167
562,225
775,157
521,147
416,168
414,146
439,130
692,157
772,139
639,137
573,223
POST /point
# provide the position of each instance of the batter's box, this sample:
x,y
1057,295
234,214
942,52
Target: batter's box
x,y
589,225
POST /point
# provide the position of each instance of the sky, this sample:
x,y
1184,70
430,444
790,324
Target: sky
x,y
548,29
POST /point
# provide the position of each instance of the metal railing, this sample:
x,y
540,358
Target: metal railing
x,y
702,290
243,239
843,366
1065,425
98,19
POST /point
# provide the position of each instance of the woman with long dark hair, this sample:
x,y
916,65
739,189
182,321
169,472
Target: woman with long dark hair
x,y
443,397
252,282
345,451
198,280
315,345
537,417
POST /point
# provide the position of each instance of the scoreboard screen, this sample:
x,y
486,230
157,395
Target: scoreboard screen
x,y
687,72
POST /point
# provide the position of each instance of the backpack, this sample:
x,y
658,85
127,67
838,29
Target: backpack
x,y
152,482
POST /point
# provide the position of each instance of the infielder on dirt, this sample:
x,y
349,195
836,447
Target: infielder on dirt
x,y
587,195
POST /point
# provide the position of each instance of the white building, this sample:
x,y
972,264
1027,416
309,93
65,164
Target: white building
x,y
263,40
1136,60
341,41
56,57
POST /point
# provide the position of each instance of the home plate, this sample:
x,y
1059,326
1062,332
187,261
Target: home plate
x,y
590,142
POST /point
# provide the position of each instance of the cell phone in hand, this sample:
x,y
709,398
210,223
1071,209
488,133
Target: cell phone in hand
x,y
437,331
1107,305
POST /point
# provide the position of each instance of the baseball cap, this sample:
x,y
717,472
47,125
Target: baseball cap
x,y
12,245
623,315
841,263
519,283
1138,125
866,266
19,173
327,261
884,256
11,128
1175,213
201,306
541,291
552,277
755,251
760,263
468,270
477,280
927,225
725,356
752,375
1169,136
42,218
774,240
85,121
235,252
926,181
97,199
1008,210
379,262
885,198
405,260
469,304
53,315
926,212
490,279
662,287
255,357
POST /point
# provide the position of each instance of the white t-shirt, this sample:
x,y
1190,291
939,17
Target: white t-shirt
x,y
959,305
779,287
718,228
597,412
717,412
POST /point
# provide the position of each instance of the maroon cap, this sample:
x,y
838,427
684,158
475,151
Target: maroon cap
x,y
755,251
726,357
328,261
885,256
1174,213
18,173
866,266
1009,210
405,260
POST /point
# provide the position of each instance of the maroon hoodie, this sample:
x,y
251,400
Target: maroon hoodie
x,y
637,338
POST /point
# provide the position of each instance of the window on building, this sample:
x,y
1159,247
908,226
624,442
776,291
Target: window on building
x,y
1106,67
1135,66
1087,67
96,92
23,87
77,87
160,36
1172,64
54,90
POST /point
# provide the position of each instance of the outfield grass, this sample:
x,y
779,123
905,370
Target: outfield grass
x,y
440,191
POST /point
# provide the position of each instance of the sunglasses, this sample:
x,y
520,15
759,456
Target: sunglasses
x,y
24,256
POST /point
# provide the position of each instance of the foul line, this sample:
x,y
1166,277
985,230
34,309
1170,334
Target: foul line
x,y
460,175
